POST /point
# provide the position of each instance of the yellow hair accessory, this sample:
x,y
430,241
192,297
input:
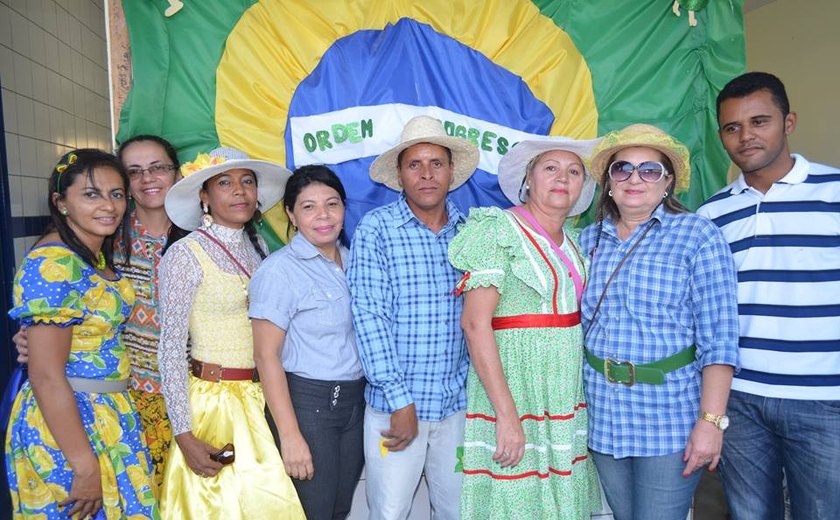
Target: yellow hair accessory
x,y
62,165
201,161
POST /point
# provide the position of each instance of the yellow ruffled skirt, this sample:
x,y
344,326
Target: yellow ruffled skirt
x,y
255,486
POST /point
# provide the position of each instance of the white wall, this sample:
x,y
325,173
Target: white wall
x,y
55,94
798,41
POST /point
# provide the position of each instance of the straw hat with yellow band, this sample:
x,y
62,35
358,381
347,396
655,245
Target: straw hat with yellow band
x,y
647,136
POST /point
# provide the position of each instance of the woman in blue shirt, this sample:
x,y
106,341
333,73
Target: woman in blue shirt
x,y
305,348
661,322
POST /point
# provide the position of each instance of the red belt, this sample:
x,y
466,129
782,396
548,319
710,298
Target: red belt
x,y
536,321
216,373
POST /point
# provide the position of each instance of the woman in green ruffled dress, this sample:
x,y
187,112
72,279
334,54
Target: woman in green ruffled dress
x,y
525,447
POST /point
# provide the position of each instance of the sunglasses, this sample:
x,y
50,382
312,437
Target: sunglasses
x,y
649,171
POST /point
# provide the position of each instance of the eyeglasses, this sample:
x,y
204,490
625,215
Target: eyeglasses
x,y
649,171
155,170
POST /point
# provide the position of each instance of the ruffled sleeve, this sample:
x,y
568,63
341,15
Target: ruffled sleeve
x,y
479,249
49,288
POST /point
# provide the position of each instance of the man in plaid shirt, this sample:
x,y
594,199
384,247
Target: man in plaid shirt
x,y
408,323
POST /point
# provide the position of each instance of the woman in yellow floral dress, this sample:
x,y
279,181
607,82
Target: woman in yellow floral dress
x,y
152,167
75,444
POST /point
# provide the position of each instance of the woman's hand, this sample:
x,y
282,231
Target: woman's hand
x,y
296,457
21,345
197,455
86,490
510,441
703,447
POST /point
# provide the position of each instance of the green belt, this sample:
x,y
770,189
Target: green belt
x,y
627,373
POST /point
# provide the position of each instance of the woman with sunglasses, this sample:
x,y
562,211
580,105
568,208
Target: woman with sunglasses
x,y
661,322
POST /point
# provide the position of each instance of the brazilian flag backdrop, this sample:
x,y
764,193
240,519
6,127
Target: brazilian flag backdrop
x,y
333,81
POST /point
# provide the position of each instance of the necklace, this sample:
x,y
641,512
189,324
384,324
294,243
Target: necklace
x,y
100,261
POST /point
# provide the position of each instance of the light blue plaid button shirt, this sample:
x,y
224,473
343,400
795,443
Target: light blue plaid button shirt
x,y
678,289
408,322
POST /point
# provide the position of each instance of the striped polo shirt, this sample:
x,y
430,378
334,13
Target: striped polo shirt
x,y
786,245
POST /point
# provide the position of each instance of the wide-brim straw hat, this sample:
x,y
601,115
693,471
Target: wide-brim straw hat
x,y
425,129
512,167
647,136
182,201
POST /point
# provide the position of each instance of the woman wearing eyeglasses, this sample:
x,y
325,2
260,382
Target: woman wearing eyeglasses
x,y
152,167
661,328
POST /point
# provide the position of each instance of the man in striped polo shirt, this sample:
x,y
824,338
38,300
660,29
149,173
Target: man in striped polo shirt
x,y
781,218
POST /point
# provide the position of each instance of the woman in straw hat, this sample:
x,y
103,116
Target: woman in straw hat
x,y
661,323
224,463
525,450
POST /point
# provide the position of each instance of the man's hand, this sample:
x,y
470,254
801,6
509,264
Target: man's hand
x,y
403,429
22,345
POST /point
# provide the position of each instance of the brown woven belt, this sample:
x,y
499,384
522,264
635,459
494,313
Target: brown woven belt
x,y
217,373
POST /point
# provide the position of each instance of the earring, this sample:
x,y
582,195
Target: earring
x,y
609,193
207,218
665,196
63,211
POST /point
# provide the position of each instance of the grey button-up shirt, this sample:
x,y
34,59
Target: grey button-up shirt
x,y
305,294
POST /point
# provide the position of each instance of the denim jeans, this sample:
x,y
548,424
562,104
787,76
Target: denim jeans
x,y
769,436
330,415
646,488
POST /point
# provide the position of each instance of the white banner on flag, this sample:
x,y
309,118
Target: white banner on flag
x,y
367,131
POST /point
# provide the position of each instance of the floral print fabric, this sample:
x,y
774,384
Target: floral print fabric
x,y
56,287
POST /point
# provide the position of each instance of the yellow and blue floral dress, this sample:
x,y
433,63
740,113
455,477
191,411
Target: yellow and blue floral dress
x,y
56,287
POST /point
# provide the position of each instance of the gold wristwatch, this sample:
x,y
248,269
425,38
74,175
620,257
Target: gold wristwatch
x,y
721,421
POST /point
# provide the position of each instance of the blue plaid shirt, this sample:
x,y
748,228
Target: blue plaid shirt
x,y
408,322
678,289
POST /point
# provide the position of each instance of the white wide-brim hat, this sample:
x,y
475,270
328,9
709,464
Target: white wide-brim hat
x,y
183,204
426,129
512,167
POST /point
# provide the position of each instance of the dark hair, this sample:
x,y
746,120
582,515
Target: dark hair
x,y
250,227
86,161
400,155
751,82
606,206
311,174
175,233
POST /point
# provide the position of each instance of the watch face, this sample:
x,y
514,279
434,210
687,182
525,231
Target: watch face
x,y
723,423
